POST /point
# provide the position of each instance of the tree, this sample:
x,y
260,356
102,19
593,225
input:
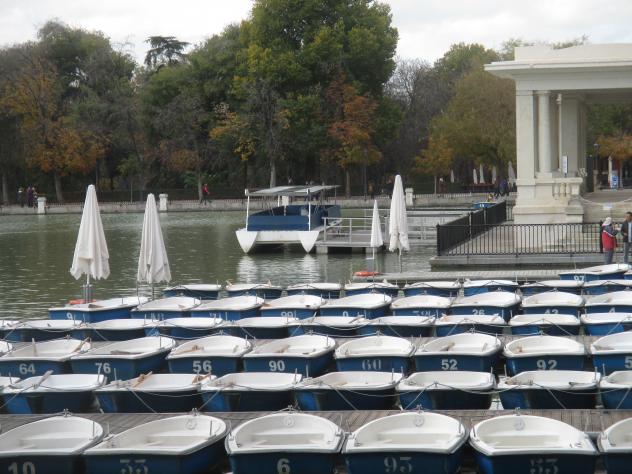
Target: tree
x,y
165,51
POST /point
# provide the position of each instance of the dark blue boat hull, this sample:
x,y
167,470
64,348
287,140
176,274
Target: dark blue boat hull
x,y
505,313
537,290
199,294
606,364
179,332
31,368
403,461
455,362
282,462
617,463
449,329
341,399
266,294
548,329
331,331
327,294
49,402
122,369
355,312
617,399
159,315
602,289
392,292
592,277
254,332
90,316
202,365
227,315
543,399
430,312
530,464
252,400
396,364
312,367
396,330
515,365
553,309
606,328
430,291
42,465
117,335
617,308
477,290
445,400
144,402
300,313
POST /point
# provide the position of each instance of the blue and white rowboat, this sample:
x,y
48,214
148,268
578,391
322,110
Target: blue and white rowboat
x,y
38,358
611,353
398,326
352,390
152,393
544,353
52,394
551,324
309,355
550,390
125,359
616,447
569,286
471,351
189,328
375,353
369,305
7,326
501,303
599,287
616,390
613,271
230,309
219,354
51,445
484,324
553,302
615,302
272,327
121,329
267,291
285,442
476,287
421,305
382,287
250,391
334,326
324,290
186,444
602,324
294,306
165,308
407,442
447,289
447,390
47,330
201,291
102,310
513,444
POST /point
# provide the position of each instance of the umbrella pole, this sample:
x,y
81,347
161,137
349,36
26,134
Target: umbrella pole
x,y
400,261
87,293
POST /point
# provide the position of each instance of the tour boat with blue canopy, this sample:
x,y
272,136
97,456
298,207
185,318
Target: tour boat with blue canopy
x,y
272,327
544,353
615,446
101,310
551,324
599,287
421,305
501,303
121,329
457,324
614,302
611,353
361,288
476,287
407,442
447,390
47,330
230,309
152,393
472,351
294,306
370,305
334,326
324,290
553,302
165,308
286,223
569,286
37,358
602,324
250,391
189,328
611,271
267,291
550,390
185,444
51,445
375,353
52,393
399,326
219,354
519,443
200,291
285,442
124,359
446,289
349,390
616,390
308,355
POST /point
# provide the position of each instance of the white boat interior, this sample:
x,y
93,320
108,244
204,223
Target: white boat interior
x,y
246,381
5,347
342,322
542,345
218,345
110,303
561,284
233,303
160,383
421,301
237,287
599,270
619,343
605,318
544,319
352,380
58,383
50,324
448,379
173,303
123,324
598,283
320,286
58,349
484,283
616,438
501,299
414,321
622,297
362,301
263,322
552,298
552,380
621,379
192,323
295,302
450,320
306,345
8,381
132,349
465,343
370,285
379,345
440,285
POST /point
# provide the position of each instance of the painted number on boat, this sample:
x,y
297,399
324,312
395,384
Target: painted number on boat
x,y
276,366
103,367
449,364
478,311
26,369
543,466
371,364
546,364
134,466
628,362
283,466
202,366
27,468
400,464
287,314
551,311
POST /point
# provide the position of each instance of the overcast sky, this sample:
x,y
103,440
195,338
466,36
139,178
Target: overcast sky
x,y
426,27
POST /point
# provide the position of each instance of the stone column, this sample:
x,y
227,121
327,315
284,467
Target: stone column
x,y
41,205
163,199
409,196
544,131
525,134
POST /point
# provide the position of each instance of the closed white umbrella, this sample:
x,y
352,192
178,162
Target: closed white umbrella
x,y
481,175
511,174
376,231
474,177
91,256
153,264
398,221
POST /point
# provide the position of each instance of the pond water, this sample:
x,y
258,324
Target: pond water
x,y
36,254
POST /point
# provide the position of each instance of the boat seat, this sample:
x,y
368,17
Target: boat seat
x,y
507,440
59,441
173,439
286,438
409,438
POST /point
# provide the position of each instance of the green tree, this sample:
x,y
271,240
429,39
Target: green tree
x,y
165,51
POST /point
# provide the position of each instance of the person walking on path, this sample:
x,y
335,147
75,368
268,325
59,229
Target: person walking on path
x,y
21,196
29,196
608,240
205,193
626,233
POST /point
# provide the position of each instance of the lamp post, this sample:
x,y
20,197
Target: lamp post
x,y
596,164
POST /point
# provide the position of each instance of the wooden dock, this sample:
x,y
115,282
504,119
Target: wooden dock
x,y
505,273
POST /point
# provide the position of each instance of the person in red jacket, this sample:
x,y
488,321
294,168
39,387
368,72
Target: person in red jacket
x,y
608,239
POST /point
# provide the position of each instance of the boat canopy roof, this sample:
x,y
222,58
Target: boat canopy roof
x,y
290,190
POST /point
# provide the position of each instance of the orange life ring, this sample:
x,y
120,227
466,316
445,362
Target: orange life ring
x,y
79,301
366,273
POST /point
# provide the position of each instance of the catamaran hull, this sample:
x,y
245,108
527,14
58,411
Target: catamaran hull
x,y
249,240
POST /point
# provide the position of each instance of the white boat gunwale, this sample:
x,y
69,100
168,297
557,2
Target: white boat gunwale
x,y
464,379
208,347
264,350
323,383
461,344
556,345
395,346
165,344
